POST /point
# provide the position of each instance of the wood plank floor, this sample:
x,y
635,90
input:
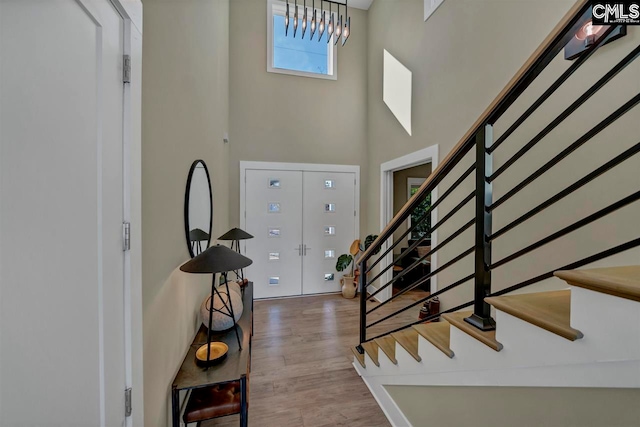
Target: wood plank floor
x,y
301,366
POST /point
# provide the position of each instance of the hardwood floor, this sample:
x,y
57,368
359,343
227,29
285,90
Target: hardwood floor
x,y
301,365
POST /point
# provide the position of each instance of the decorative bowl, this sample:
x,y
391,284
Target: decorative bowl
x,y
218,353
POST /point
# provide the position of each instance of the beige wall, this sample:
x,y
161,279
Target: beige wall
x,y
461,58
517,406
400,189
283,118
185,113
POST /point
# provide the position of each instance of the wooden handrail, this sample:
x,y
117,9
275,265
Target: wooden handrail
x,y
464,144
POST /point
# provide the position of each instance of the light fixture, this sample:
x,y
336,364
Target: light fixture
x,y
313,20
338,27
590,34
295,20
286,20
320,21
330,26
304,19
346,31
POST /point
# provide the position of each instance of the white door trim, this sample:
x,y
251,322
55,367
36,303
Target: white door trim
x,y
426,155
131,12
304,167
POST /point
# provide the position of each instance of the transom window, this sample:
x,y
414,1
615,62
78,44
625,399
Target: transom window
x,y
297,55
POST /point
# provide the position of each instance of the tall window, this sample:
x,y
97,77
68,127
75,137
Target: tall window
x,y
297,55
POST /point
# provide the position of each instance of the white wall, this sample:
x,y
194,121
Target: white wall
x,y
185,114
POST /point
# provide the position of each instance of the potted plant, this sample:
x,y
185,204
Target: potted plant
x,y
349,280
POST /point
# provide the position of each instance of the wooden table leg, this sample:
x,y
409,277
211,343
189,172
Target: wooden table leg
x,y
175,407
244,413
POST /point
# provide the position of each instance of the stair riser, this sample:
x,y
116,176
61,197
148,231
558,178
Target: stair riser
x,y
599,314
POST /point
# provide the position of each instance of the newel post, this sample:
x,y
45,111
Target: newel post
x,y
363,304
481,317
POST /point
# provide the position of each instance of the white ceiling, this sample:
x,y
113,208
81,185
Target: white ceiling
x,y
360,4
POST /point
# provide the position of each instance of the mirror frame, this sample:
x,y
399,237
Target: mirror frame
x,y
186,205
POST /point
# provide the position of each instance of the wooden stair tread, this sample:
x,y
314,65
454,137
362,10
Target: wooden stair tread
x,y
388,345
359,357
408,339
547,310
486,337
437,333
623,282
371,348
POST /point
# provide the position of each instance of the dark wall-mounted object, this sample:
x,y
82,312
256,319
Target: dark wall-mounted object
x,y
588,34
198,209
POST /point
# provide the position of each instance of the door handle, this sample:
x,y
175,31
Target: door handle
x,y
299,249
304,250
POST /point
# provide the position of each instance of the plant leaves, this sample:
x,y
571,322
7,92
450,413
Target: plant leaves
x,y
343,262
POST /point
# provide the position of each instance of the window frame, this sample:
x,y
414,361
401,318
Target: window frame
x,y
279,7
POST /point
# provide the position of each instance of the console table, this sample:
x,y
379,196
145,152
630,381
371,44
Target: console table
x,y
235,367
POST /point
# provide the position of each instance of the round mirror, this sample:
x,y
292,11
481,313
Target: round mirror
x,y
198,208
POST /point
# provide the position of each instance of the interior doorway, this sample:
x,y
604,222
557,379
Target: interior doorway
x,y
406,182
416,163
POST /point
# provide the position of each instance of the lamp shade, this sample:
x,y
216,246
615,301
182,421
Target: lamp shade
x,y
198,234
235,234
216,259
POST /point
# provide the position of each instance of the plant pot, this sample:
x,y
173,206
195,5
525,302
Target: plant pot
x,y
348,287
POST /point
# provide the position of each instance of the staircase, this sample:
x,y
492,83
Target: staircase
x,y
556,338
525,327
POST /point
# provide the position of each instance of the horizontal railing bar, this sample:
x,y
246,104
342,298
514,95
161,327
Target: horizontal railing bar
x,y
593,258
437,248
432,181
573,187
564,153
420,301
551,90
426,319
428,254
566,113
433,206
576,225
417,242
541,57
424,279
401,257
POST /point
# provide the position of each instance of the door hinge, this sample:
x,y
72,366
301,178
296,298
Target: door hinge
x,y
126,236
126,69
127,402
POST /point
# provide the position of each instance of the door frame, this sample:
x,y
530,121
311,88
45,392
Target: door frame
x,y
131,13
303,167
420,157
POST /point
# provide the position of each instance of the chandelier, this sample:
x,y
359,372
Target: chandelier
x,y
333,24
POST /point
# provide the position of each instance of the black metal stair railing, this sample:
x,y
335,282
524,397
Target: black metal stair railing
x,y
479,142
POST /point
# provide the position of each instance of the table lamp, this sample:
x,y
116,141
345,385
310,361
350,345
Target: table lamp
x,y
217,259
235,235
197,236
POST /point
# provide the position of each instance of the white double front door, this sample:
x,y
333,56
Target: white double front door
x,y
301,222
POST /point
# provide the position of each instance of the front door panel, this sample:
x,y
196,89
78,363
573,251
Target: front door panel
x,y
274,217
328,228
